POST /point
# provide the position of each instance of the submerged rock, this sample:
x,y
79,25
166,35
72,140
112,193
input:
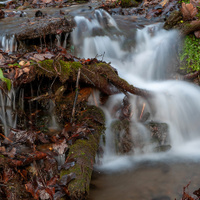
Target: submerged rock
x,y
162,148
159,132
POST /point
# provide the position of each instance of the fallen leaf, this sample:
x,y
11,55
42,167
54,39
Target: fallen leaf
x,y
164,2
26,70
197,34
195,2
60,147
22,63
188,11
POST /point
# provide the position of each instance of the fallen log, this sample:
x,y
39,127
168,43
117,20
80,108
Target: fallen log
x,y
97,74
175,21
41,27
84,152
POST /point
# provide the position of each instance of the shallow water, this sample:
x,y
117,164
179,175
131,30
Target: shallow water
x,y
143,57
148,181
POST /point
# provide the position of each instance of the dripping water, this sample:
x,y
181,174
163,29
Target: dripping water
x,y
8,43
8,117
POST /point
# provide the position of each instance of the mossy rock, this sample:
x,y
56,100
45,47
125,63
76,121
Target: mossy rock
x,y
174,19
159,132
123,139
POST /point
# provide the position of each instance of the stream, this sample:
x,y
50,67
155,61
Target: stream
x,y
143,54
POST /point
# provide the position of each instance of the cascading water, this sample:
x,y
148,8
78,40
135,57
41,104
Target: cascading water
x,y
144,65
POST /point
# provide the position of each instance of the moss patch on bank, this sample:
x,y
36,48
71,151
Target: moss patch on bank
x,y
190,55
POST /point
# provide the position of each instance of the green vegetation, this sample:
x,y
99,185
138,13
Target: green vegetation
x,y
190,56
6,80
128,3
184,1
64,68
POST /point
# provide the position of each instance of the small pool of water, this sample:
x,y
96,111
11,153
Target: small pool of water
x,y
148,181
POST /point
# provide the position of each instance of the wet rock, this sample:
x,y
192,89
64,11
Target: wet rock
x,y
162,148
123,139
38,13
173,19
159,132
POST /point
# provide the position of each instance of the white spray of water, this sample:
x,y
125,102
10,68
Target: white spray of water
x,y
145,65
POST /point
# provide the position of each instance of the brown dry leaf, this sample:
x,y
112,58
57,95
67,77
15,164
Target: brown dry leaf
x,y
2,59
195,2
60,147
22,63
27,64
188,11
145,2
42,57
197,34
39,57
164,2
26,70
46,1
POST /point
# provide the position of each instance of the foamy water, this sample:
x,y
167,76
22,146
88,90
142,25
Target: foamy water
x,y
145,65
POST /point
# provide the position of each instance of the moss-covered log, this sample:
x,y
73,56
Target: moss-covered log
x,y
84,151
175,20
98,74
189,27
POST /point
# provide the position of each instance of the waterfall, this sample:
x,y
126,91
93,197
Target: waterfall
x,y
145,65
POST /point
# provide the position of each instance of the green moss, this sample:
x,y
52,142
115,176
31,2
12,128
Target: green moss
x,y
84,151
190,55
184,1
128,3
65,69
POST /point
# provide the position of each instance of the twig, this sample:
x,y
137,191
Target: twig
x,y
6,138
44,68
142,111
14,61
76,95
87,78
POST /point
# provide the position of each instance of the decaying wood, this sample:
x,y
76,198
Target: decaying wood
x,y
189,27
191,76
106,77
175,21
38,28
84,152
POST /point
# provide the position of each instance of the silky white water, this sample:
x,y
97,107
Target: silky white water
x,y
145,65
